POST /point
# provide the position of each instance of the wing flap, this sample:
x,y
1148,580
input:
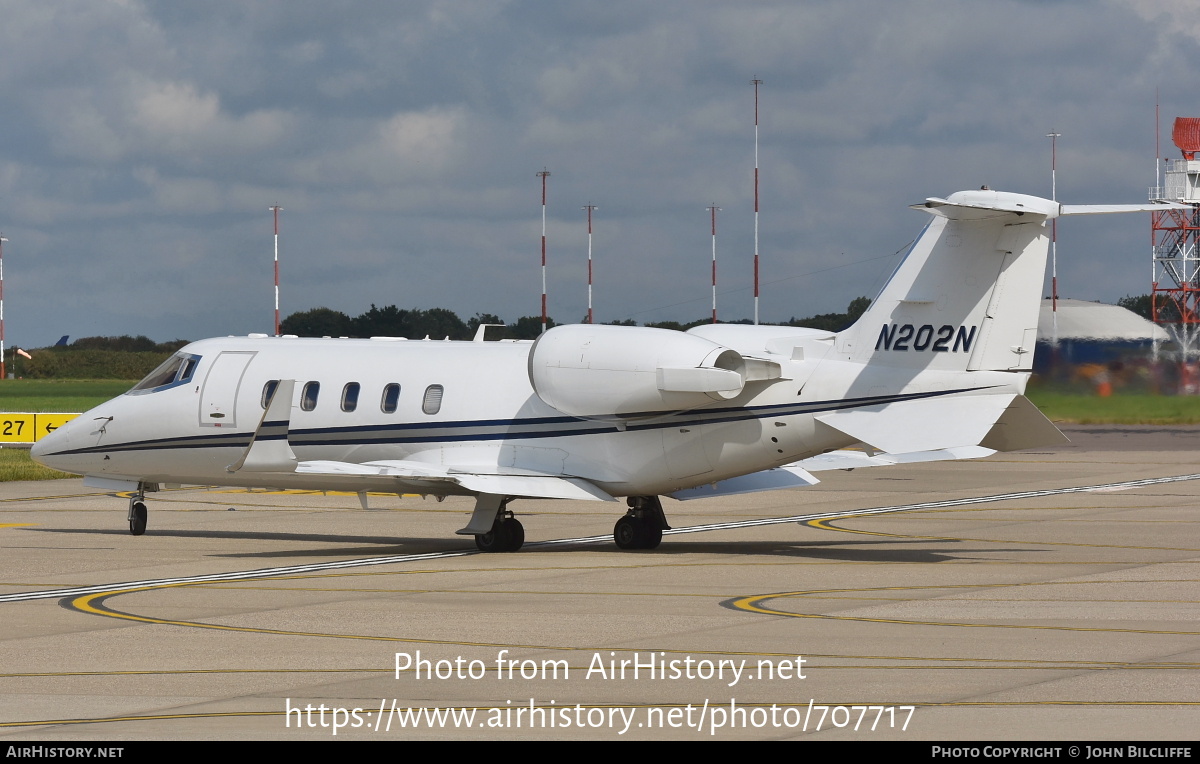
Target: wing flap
x,y
789,476
436,479
850,460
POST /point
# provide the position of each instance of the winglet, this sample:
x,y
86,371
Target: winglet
x,y
269,450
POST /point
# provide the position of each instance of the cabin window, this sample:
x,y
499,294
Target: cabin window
x,y
350,396
391,396
176,370
433,399
269,392
308,399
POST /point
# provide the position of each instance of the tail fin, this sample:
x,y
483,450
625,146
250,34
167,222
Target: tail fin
x,y
967,294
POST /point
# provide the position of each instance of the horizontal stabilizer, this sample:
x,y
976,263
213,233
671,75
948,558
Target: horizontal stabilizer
x,y
929,424
985,205
1108,209
767,480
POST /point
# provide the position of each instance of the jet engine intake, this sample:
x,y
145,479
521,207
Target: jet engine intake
x,y
629,372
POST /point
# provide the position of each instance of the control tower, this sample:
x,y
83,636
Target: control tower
x,y
1175,236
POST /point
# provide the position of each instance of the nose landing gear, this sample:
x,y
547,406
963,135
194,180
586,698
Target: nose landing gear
x,y
137,512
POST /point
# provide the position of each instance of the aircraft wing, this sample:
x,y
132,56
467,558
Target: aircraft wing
x,y
269,453
419,475
798,474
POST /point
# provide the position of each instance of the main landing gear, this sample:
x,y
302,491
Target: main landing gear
x,y
137,512
507,534
643,525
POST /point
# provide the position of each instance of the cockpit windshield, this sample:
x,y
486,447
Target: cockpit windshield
x,y
176,370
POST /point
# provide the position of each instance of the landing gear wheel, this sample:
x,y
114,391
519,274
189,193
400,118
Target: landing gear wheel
x,y
137,518
507,535
516,533
495,540
643,525
630,533
652,538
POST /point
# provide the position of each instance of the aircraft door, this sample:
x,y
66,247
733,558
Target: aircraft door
x,y
218,397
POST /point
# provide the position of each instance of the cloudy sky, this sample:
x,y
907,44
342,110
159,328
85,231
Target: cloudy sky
x,y
144,142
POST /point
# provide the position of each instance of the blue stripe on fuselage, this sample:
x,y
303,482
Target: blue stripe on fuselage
x,y
505,429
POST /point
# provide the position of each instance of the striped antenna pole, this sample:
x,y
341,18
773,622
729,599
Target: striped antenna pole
x,y
276,209
3,368
589,208
712,208
543,175
756,82
1054,136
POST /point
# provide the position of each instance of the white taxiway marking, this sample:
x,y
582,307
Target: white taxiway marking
x,y
394,559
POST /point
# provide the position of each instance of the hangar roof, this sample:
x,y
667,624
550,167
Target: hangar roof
x,y
1083,320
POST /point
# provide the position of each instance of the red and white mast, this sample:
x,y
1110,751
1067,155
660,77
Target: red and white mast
x,y
543,175
589,208
713,212
3,368
1054,136
756,82
276,209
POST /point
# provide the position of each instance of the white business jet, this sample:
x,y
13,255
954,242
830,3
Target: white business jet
x,y
935,369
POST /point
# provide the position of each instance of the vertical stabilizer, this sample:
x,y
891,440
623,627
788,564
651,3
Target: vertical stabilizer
x,y
967,294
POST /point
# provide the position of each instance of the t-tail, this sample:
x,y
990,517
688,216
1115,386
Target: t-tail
x,y
955,327
967,295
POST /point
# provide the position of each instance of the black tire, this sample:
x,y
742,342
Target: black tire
x,y
516,534
497,540
629,533
652,538
137,520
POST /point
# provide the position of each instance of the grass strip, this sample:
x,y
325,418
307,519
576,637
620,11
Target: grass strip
x,y
49,396
15,464
1072,408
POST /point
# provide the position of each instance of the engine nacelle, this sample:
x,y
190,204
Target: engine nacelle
x,y
626,372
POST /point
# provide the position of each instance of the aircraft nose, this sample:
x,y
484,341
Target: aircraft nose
x,y
45,450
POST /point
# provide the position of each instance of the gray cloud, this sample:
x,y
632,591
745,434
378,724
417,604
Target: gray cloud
x,y
145,141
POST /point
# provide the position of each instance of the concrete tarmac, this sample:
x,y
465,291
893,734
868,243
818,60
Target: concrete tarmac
x,y
1043,595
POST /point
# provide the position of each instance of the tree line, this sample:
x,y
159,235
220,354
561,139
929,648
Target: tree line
x,y
127,357
122,357
440,323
